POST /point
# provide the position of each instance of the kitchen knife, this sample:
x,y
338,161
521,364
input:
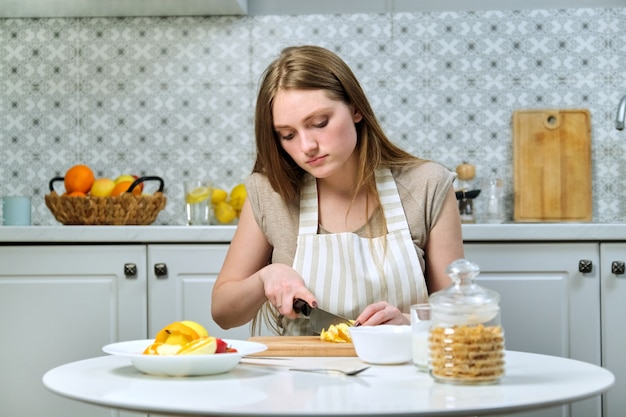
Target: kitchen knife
x,y
319,319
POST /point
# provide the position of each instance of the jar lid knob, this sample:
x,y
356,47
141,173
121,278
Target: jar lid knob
x,y
462,271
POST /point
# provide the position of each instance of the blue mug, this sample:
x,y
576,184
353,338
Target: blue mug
x,y
16,211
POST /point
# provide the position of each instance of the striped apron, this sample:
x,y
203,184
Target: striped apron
x,y
347,272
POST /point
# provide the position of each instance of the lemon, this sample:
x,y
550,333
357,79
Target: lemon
x,y
237,196
218,196
224,212
197,195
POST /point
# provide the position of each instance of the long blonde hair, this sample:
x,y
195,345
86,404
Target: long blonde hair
x,y
315,68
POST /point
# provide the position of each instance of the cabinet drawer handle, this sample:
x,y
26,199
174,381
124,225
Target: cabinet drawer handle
x,y
584,266
130,270
160,270
617,267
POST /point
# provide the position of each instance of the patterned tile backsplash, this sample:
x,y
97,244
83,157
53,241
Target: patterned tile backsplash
x,y
174,97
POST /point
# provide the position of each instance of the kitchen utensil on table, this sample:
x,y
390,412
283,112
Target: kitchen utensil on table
x,y
552,165
466,338
308,345
385,344
350,372
299,346
320,319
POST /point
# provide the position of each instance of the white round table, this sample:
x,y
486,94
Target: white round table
x,y
261,389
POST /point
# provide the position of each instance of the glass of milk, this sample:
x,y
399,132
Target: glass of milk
x,y
420,327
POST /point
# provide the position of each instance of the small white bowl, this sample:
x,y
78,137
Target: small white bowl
x,y
382,345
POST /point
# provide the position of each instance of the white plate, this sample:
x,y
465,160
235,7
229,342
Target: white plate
x,y
183,365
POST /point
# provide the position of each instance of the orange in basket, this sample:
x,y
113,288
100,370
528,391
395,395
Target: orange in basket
x,y
122,187
78,178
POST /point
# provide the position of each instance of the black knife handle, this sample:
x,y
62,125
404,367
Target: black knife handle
x,y
300,306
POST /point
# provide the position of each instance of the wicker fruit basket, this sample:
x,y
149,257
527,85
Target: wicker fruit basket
x,y
126,209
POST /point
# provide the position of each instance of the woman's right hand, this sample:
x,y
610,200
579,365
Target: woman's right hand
x,y
246,281
283,285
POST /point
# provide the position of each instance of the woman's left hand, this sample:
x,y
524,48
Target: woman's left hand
x,y
381,313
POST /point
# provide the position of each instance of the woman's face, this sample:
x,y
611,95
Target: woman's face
x,y
317,132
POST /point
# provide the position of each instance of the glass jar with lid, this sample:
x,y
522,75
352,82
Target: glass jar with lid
x,y
466,339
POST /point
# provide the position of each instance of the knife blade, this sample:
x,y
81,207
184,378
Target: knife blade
x,y
319,319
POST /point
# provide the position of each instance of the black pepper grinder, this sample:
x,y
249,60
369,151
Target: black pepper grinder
x,y
464,194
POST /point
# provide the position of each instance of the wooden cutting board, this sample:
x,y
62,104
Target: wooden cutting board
x,y
301,346
552,165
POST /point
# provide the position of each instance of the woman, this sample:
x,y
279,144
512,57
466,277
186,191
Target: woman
x,y
336,214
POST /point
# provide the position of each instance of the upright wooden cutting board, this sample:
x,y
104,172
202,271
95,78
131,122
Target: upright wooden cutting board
x,y
302,346
552,165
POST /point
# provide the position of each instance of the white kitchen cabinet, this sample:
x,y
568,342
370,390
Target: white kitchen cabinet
x,y
60,304
180,282
548,305
613,296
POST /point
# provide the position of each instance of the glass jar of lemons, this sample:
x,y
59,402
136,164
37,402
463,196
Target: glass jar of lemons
x,y
226,205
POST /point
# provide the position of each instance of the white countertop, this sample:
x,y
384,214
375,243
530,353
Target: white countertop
x,y
531,381
116,234
545,232
584,232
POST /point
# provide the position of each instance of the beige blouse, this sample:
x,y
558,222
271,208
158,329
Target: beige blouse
x,y
422,187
